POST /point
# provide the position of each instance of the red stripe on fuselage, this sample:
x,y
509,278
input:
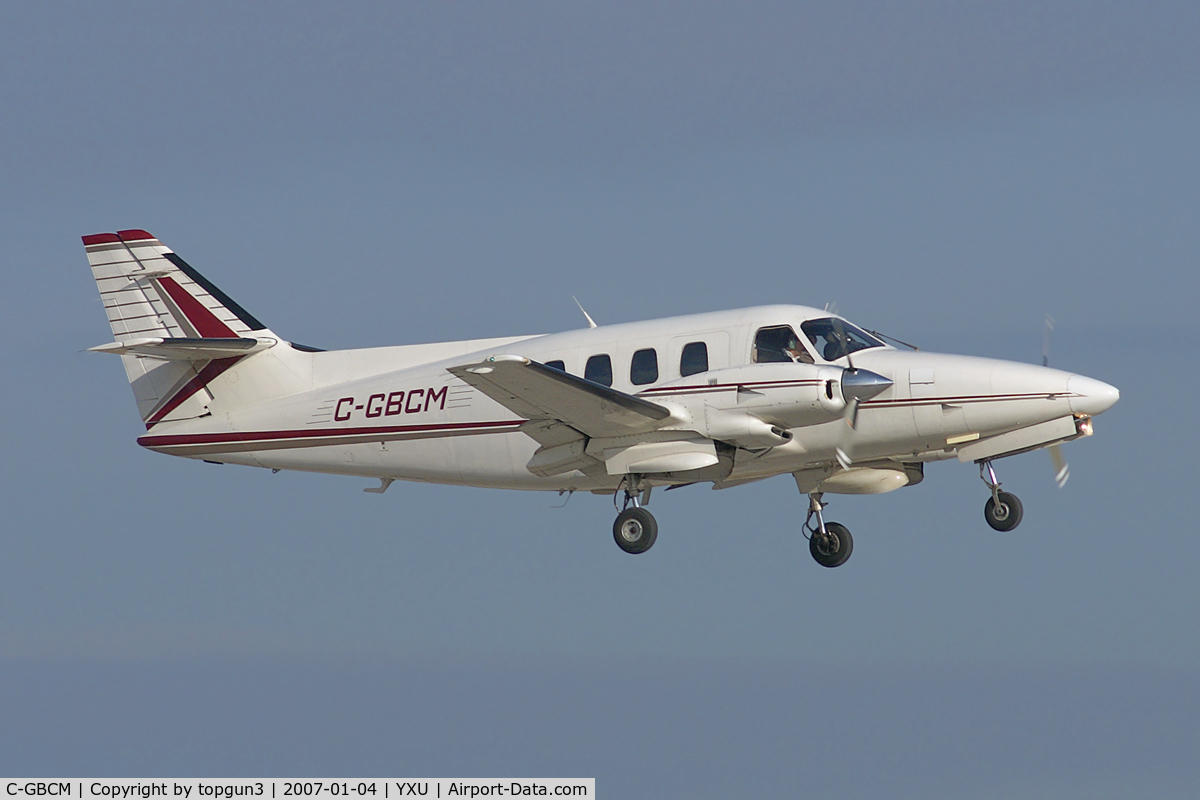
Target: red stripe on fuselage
x,y
966,398
697,388
448,428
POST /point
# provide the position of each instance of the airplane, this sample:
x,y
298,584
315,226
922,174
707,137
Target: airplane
x,y
724,398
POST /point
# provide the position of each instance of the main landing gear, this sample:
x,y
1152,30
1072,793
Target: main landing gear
x,y
1003,510
830,543
635,529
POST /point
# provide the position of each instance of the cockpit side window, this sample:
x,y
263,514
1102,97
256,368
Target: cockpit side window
x,y
834,338
779,343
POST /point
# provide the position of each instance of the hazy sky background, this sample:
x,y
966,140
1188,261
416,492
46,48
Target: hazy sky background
x,y
374,174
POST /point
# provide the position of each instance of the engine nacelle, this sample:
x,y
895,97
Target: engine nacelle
x,y
743,429
780,395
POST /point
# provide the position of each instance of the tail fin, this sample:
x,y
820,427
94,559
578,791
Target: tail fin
x,y
150,291
174,329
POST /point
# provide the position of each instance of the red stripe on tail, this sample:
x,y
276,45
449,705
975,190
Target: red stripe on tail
x,y
134,235
203,320
101,238
211,370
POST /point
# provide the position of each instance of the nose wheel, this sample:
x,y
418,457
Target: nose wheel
x,y
1003,510
829,543
635,529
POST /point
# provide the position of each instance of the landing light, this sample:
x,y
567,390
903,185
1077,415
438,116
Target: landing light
x,y
1083,425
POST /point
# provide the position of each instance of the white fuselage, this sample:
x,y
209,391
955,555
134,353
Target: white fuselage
x,y
397,413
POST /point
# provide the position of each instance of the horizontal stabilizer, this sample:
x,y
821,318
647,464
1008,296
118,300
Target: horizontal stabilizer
x,y
538,392
185,349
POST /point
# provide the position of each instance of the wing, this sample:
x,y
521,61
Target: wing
x,y
583,425
546,395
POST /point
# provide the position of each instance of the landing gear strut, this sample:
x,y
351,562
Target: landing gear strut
x,y
1003,510
830,543
635,529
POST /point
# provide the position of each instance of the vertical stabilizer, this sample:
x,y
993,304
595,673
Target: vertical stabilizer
x,y
150,291
152,295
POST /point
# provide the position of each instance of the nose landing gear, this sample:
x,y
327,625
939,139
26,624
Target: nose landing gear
x,y
829,543
1003,510
635,529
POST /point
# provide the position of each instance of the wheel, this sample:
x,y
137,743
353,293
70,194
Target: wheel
x,y
635,530
834,548
1005,515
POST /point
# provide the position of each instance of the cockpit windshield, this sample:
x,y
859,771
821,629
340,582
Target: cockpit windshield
x,y
834,338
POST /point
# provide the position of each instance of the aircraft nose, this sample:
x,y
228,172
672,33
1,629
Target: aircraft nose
x,y
1090,396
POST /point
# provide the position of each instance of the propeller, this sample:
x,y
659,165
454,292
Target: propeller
x,y
857,385
850,413
1062,470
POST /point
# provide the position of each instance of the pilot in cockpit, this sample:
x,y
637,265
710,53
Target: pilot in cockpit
x,y
795,352
780,343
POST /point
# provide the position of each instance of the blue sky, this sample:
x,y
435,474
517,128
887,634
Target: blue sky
x,y
387,173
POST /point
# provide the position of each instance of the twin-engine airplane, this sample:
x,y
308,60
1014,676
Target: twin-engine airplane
x,y
724,398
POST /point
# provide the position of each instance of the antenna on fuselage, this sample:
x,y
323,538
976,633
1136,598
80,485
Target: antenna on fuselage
x,y
586,315
1047,330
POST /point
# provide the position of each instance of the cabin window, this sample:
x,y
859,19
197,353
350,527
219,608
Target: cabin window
x,y
643,368
779,343
693,359
599,369
558,365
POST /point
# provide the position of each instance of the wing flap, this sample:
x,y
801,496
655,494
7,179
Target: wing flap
x,y
538,392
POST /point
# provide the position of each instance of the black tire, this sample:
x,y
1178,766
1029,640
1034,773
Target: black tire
x,y
1005,516
635,530
834,548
